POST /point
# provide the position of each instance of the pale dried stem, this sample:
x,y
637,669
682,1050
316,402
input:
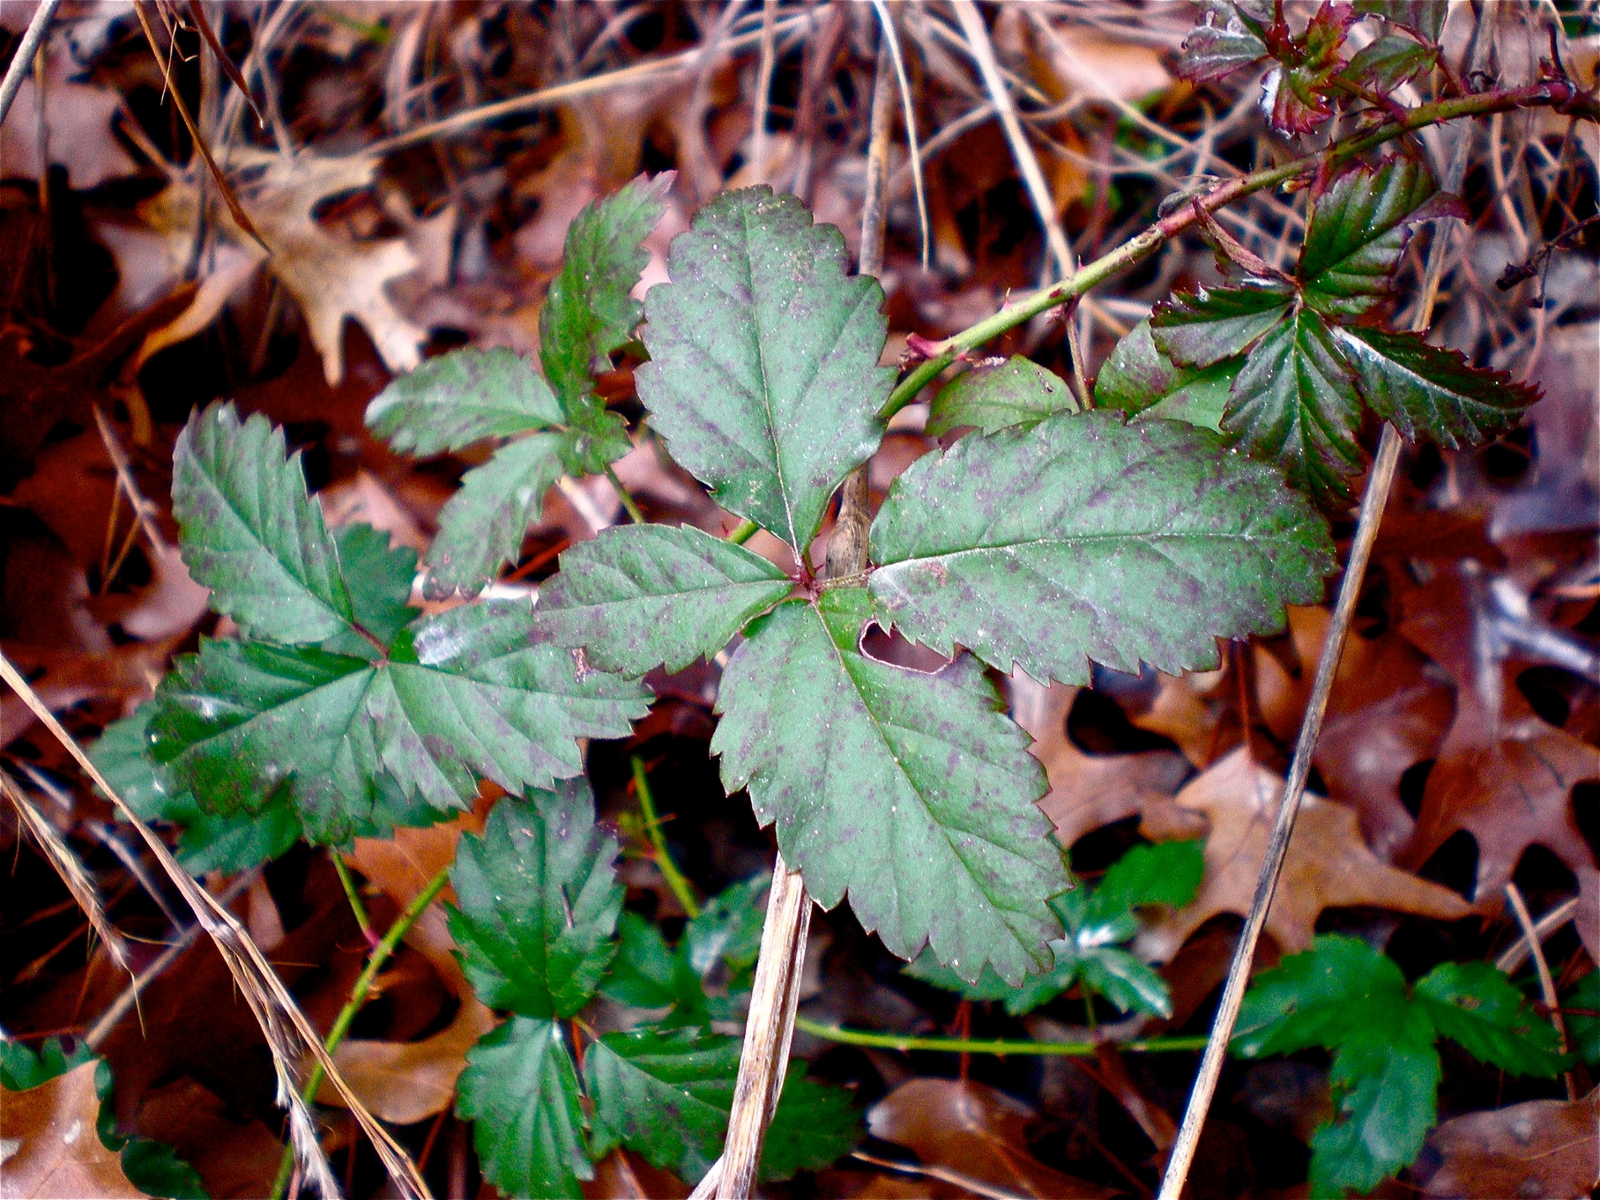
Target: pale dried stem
x,y
1514,955
288,1034
22,59
891,39
67,866
1547,983
763,98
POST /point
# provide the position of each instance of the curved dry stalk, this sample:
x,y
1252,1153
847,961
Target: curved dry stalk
x,y
22,58
284,1026
67,866
1512,958
891,39
1547,983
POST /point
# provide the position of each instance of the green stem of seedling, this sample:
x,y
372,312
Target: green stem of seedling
x,y
354,896
358,998
623,495
1147,243
743,532
1002,1046
681,888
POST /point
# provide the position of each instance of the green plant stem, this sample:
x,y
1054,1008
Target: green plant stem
x,y
358,998
743,532
628,501
681,888
1163,231
354,896
897,1041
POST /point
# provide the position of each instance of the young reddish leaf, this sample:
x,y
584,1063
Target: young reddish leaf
x,y
462,397
763,374
1140,380
1085,538
520,1091
1391,60
481,526
1224,41
1425,390
1014,392
641,596
537,900
1294,402
1477,1007
910,792
1423,17
1294,94
1197,329
251,534
1358,230
589,311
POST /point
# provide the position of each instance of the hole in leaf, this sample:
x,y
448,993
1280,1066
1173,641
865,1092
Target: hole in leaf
x,y
1543,878
899,651
1455,864
1586,813
1413,781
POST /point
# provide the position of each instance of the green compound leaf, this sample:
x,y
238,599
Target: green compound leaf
x,y
1139,379
1166,873
588,311
462,397
1295,403
1475,1006
1085,538
646,973
764,375
537,902
666,1095
639,596
911,792
1357,232
468,696
251,534
210,841
520,1090
481,526
379,580
1318,997
1385,1079
1427,390
1204,327
1391,60
1016,391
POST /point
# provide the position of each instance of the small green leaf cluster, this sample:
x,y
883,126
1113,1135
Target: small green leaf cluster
x,y
558,424
1310,71
1047,539
151,1166
1287,366
1098,924
537,917
1344,996
339,710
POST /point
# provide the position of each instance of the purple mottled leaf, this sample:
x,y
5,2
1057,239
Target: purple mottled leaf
x,y
1016,391
1423,17
1224,41
910,793
1388,62
763,375
641,596
1085,538
462,397
1139,379
1196,329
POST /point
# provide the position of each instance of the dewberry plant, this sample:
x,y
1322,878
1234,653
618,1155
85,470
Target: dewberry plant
x,y
1188,506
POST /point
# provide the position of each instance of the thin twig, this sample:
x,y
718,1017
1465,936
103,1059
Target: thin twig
x,y
891,39
1514,955
357,908
1547,983
359,995
1000,1046
628,502
22,60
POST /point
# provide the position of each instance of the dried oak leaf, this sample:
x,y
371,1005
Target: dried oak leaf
x,y
1389,710
1503,775
624,1175
331,278
51,1146
962,1130
1539,1148
1328,864
1091,790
